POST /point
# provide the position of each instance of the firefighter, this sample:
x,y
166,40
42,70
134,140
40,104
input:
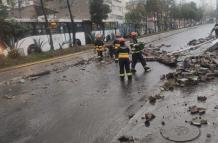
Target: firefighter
x,y
116,46
99,46
124,62
215,29
137,56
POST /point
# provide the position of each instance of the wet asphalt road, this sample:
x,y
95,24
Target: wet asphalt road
x,y
78,104
180,40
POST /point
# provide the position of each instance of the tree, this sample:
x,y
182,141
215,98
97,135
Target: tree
x,y
99,12
3,12
48,31
137,15
154,9
10,30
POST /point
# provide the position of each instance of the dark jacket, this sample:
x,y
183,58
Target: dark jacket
x,y
135,46
99,43
123,52
215,29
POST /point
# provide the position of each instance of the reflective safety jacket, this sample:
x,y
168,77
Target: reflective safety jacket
x,y
116,44
123,52
135,46
99,45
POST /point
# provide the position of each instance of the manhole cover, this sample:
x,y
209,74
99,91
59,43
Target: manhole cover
x,y
180,133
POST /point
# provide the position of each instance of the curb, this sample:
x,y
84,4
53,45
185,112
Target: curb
x,y
43,61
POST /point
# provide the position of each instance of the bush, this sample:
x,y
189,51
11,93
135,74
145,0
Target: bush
x,y
14,54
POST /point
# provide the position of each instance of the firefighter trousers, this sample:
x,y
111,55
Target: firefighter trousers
x,y
124,66
100,54
138,57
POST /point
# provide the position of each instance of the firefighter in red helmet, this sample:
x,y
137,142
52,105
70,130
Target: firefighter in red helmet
x,y
116,46
124,62
137,56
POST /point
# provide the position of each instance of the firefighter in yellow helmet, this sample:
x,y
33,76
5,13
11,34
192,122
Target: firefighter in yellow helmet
x,y
124,62
116,46
99,46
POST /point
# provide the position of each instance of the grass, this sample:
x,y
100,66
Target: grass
x,y
9,62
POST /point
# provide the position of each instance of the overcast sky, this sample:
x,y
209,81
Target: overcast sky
x,y
210,2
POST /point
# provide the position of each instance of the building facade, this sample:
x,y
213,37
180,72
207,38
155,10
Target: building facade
x,y
4,2
79,9
133,3
118,10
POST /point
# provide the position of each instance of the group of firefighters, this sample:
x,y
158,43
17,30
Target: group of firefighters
x,y
120,52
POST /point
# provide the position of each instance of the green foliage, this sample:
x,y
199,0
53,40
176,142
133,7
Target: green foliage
x,y
10,31
98,11
38,45
137,14
14,54
153,6
165,11
3,12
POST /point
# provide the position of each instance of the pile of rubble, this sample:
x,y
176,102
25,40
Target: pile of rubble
x,y
156,54
200,41
192,71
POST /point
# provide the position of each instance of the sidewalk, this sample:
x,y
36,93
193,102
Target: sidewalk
x,y
50,64
44,61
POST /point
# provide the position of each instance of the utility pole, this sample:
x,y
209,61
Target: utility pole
x,y
72,24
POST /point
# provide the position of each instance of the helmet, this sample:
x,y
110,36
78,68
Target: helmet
x,y
122,40
134,34
98,36
117,34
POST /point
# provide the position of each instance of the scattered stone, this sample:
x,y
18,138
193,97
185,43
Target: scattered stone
x,y
208,135
152,100
9,97
202,98
34,78
158,96
131,116
163,77
163,123
197,110
40,74
22,81
216,107
149,116
126,139
204,122
201,111
147,123
198,122
168,85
